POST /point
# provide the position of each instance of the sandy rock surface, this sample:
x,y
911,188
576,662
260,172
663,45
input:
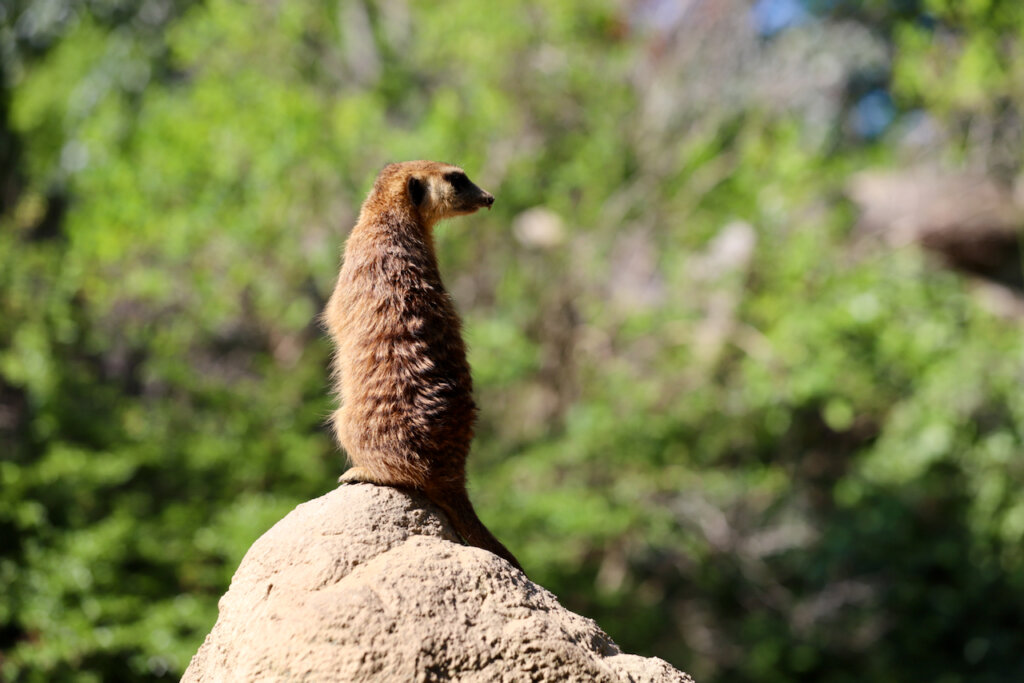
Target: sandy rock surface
x,y
370,583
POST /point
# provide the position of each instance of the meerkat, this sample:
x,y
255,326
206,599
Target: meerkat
x,y
406,410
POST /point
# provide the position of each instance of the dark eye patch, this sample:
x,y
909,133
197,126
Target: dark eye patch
x,y
458,180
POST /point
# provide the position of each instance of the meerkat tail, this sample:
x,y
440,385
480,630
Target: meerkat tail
x,y
459,509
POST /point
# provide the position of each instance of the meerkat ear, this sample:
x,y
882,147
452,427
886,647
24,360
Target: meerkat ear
x,y
417,190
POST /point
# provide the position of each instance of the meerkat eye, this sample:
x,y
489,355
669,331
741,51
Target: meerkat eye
x,y
458,180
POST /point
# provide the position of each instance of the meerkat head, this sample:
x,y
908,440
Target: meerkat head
x,y
435,191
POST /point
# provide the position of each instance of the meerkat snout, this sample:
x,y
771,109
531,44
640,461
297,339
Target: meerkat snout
x,y
468,194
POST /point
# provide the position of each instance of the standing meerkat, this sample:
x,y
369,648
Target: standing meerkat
x,y
407,411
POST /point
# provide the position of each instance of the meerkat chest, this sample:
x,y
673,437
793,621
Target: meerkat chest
x,y
393,286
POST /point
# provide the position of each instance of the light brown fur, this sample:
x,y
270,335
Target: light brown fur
x,y
407,411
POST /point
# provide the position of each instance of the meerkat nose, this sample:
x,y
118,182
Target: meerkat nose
x,y
488,200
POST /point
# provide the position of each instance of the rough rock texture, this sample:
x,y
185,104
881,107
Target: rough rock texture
x,y
370,583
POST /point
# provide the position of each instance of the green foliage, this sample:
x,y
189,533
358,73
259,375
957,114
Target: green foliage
x,y
707,422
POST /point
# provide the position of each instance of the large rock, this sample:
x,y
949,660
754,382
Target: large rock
x,y
370,583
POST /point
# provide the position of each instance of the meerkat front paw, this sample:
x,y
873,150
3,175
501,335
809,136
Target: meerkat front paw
x,y
356,475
